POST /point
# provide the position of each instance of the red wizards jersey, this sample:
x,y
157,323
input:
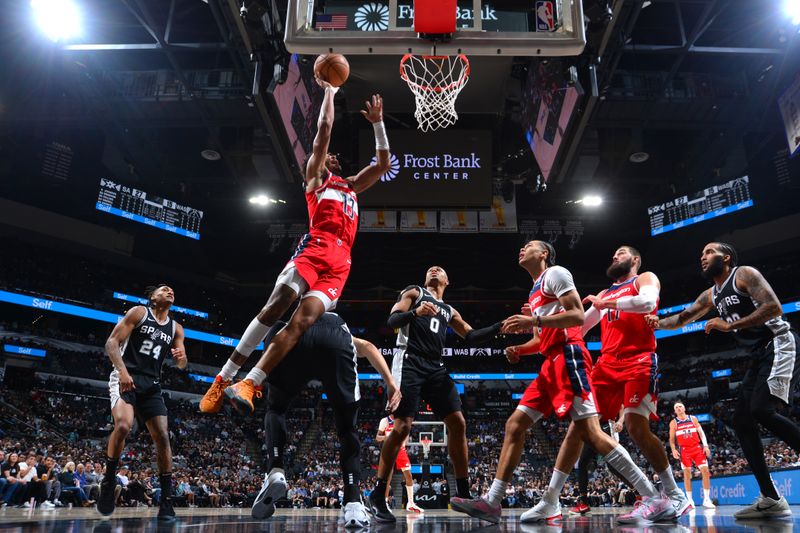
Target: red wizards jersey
x,y
389,426
555,281
333,209
623,333
686,433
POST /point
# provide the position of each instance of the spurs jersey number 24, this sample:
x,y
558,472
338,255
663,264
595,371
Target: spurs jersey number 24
x,y
148,346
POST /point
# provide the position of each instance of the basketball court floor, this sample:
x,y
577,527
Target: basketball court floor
x,y
239,520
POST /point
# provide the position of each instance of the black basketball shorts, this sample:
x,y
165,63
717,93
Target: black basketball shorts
x,y
421,378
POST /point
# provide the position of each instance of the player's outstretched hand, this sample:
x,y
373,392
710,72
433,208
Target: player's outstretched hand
x,y
125,382
325,85
374,111
526,310
599,303
395,396
651,320
426,309
517,324
512,354
675,454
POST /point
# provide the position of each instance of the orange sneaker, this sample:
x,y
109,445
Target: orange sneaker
x,y
212,399
241,396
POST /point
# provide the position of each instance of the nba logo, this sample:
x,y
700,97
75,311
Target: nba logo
x,y
545,21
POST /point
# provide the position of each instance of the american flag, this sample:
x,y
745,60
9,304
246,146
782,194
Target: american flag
x,y
331,22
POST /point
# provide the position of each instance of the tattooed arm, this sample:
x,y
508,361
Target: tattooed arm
x,y
750,281
700,307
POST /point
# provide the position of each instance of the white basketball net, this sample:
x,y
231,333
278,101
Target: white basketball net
x,y
436,82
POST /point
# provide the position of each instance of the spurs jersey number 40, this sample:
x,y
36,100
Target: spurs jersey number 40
x,y
624,333
732,304
333,209
686,433
148,346
425,335
553,283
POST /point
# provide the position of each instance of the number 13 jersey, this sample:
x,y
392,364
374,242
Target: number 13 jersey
x,y
148,346
425,335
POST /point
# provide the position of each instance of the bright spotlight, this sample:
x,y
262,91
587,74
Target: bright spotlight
x,y
58,19
792,9
264,200
591,201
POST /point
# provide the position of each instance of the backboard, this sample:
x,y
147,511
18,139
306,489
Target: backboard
x,y
386,27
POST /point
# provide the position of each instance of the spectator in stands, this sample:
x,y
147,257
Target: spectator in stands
x,y
71,484
9,471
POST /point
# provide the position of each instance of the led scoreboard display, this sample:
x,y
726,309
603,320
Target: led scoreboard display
x,y
136,205
703,205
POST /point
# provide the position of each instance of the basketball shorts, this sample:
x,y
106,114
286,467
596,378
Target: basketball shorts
x,y
693,455
631,381
402,462
421,378
563,386
146,398
324,353
319,267
775,366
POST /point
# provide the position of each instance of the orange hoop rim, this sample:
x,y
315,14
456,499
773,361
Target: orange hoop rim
x,y
461,81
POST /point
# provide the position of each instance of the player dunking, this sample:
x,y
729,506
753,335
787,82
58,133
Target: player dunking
x,y
564,387
137,347
327,352
422,317
403,464
627,371
686,433
748,308
318,270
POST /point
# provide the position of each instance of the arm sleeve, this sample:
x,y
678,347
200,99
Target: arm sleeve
x,y
483,334
558,281
644,302
591,318
398,319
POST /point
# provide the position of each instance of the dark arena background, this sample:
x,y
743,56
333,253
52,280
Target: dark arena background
x,y
148,142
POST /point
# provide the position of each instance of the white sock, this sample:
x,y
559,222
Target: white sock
x,y
620,459
256,375
668,480
497,491
229,371
707,494
255,333
410,494
553,491
689,496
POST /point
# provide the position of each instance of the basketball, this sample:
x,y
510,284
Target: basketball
x,y
332,68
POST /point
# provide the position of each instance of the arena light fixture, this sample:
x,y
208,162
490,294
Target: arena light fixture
x,y
792,10
262,200
591,200
59,20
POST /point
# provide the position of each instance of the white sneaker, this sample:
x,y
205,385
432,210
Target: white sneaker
x,y
541,512
414,508
654,509
708,504
679,501
47,505
765,507
273,489
355,516
26,505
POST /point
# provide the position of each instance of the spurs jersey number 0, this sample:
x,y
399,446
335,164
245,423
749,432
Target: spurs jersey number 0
x,y
425,335
148,346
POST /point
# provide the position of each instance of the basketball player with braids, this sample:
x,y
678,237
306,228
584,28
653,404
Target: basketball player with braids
x,y
319,268
748,308
137,347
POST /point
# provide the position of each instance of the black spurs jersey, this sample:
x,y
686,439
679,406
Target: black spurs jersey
x,y
148,346
425,335
732,304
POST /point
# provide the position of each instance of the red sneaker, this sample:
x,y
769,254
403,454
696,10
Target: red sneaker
x,y
580,509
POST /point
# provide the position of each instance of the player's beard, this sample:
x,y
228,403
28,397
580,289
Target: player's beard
x,y
715,268
617,270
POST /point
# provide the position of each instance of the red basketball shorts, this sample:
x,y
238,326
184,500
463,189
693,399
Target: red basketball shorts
x,y
631,382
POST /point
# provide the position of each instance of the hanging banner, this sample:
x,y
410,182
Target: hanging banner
x,y
502,218
789,105
458,222
378,221
411,221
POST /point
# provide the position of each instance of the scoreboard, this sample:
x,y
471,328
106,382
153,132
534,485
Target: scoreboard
x,y
152,210
703,205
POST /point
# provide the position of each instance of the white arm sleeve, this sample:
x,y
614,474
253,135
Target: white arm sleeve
x,y
643,303
591,318
558,281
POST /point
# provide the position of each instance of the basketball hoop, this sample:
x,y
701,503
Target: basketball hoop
x,y
436,82
426,447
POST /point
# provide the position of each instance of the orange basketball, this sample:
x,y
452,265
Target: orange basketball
x,y
332,68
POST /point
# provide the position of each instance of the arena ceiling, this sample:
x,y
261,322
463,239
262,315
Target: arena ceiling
x,y
152,83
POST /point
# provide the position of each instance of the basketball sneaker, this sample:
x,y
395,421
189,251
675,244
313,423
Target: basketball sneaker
x,y
165,511
680,502
542,512
477,508
708,504
414,508
581,509
241,396
273,489
652,509
213,398
765,507
106,503
355,516
379,508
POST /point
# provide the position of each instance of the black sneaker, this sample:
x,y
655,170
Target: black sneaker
x,y
380,510
165,511
105,503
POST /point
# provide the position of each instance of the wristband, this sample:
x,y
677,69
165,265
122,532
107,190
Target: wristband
x,y
381,140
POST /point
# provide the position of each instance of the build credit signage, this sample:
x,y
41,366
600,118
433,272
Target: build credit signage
x,y
446,168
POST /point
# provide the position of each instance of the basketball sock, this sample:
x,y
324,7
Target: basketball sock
x,y
621,460
111,469
229,370
165,482
380,488
257,376
689,496
255,333
410,494
462,487
668,479
707,494
497,491
553,490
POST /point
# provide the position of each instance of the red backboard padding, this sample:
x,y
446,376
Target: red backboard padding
x,y
435,16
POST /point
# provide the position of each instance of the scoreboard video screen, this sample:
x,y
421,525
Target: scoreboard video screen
x,y
703,205
139,206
